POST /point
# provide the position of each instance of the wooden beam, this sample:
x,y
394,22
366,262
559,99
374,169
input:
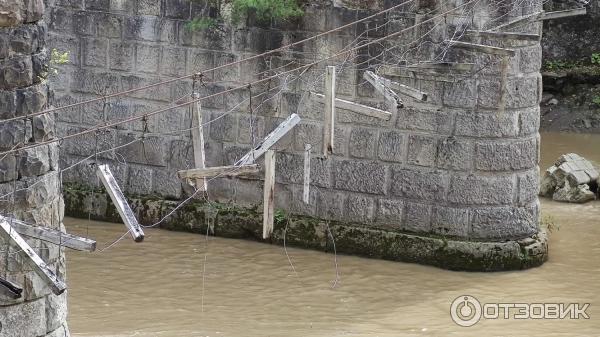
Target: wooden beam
x,y
10,289
481,48
517,21
54,236
357,108
383,88
269,141
563,14
439,70
120,202
504,35
269,194
306,186
33,260
401,88
198,142
329,112
221,171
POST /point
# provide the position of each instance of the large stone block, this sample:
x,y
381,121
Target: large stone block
x,y
147,58
309,134
31,99
462,93
418,184
35,161
121,56
24,320
148,149
389,212
422,150
290,169
16,72
501,223
362,143
223,127
56,311
425,120
330,204
360,208
455,154
8,103
391,146
506,155
449,221
481,190
475,124
417,218
359,176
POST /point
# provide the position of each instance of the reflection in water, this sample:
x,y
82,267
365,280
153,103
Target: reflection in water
x,y
155,288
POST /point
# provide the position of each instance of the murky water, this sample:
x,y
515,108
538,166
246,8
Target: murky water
x,y
179,285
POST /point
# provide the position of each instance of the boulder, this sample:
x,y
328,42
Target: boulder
x,y
572,178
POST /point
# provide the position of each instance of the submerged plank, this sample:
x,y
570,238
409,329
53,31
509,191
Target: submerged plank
x,y
33,260
120,202
222,171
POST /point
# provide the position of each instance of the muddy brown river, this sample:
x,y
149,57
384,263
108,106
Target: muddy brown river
x,y
179,285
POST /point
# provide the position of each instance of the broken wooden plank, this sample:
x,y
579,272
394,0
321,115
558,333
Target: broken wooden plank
x,y
269,194
480,48
357,108
384,89
10,289
563,14
517,21
329,112
401,88
503,35
198,142
444,66
120,202
54,236
306,186
33,260
221,171
269,141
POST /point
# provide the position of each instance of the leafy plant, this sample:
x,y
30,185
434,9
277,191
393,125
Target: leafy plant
x,y
596,58
201,24
558,64
266,10
596,100
57,58
279,216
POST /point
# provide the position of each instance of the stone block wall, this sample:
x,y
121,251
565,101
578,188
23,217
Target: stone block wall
x,y
462,165
29,184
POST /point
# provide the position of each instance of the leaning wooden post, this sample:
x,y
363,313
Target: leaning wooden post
x,y
329,116
269,194
306,189
198,141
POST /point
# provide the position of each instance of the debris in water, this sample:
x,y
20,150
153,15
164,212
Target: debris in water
x,y
571,179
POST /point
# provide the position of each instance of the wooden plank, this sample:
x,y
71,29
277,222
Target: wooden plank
x,y
9,289
198,142
481,48
504,35
120,202
357,108
222,171
306,186
33,260
269,141
383,88
563,14
269,194
329,112
401,88
54,236
517,21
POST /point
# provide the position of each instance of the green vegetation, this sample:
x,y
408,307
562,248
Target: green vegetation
x,y
279,216
57,58
596,100
595,58
559,65
201,24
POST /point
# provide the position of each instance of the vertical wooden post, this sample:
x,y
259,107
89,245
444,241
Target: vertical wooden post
x,y
329,116
198,141
306,190
269,194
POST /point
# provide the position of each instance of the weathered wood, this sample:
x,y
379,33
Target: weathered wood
x,y
504,35
33,260
198,142
269,194
54,236
443,72
118,199
221,171
329,112
563,14
269,141
383,88
482,48
357,108
517,21
401,88
306,186
10,289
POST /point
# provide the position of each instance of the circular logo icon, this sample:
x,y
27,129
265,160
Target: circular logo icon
x,y
465,310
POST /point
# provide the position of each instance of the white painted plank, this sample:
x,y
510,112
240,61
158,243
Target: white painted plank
x,y
357,108
269,141
33,260
54,236
306,186
269,194
401,88
10,289
120,202
481,48
563,14
329,112
383,89
517,21
198,142
504,35
222,171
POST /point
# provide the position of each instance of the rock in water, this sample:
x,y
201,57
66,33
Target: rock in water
x,y
572,178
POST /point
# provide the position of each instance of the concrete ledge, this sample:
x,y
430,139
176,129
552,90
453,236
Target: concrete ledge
x,y
357,239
